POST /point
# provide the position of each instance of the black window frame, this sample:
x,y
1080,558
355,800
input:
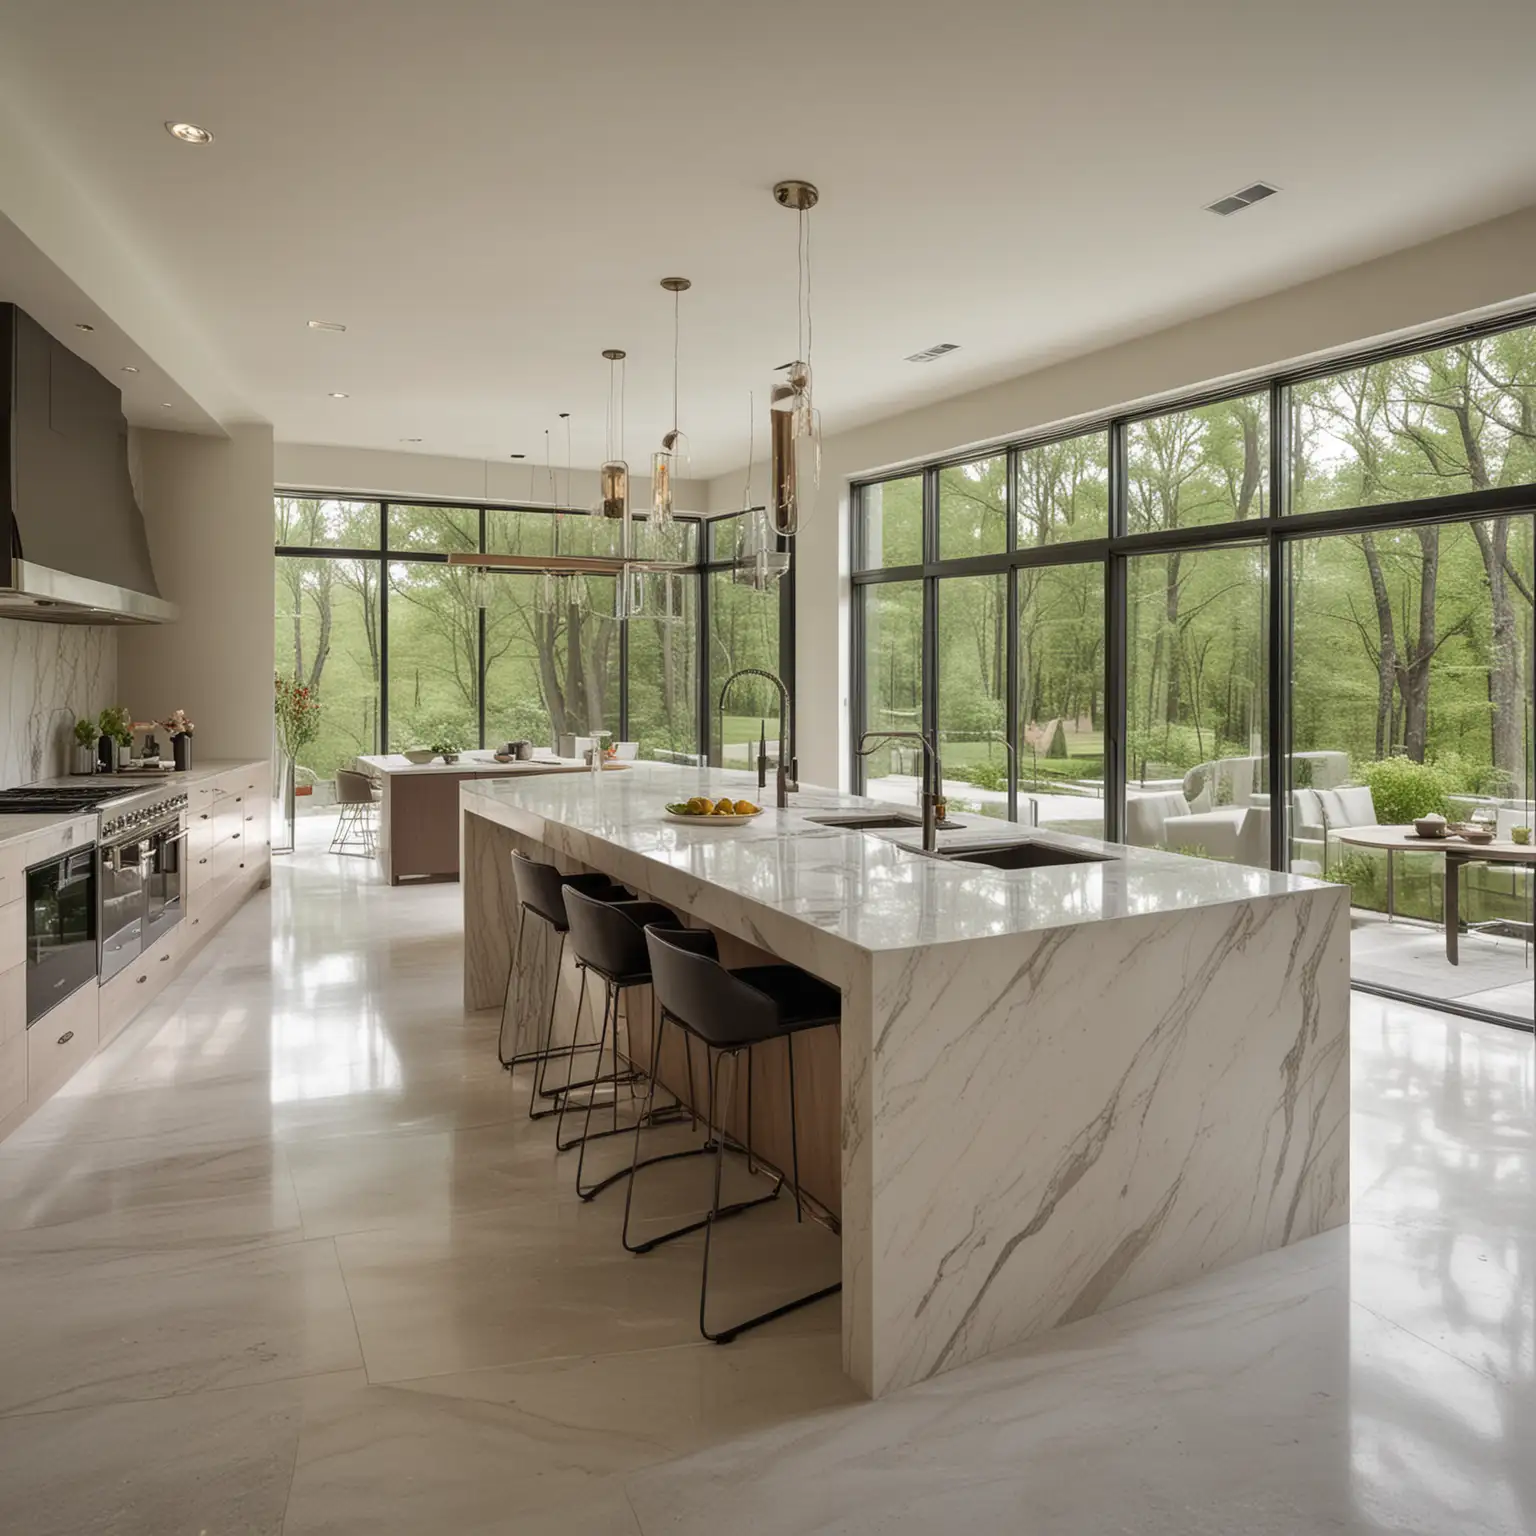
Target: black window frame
x,y
382,556
1277,529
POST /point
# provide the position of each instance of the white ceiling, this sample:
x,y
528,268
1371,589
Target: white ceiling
x,y
487,194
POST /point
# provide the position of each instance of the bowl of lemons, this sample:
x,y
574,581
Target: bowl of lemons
x,y
723,812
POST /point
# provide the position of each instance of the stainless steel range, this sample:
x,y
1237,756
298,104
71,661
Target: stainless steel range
x,y
140,855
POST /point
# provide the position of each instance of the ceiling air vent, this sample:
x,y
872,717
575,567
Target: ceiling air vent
x,y
933,353
1244,199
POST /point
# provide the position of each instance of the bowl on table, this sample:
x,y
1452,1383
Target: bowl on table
x,y
1478,835
418,755
1430,826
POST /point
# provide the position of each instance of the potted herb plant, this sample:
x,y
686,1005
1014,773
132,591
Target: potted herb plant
x,y
180,729
85,747
447,744
116,727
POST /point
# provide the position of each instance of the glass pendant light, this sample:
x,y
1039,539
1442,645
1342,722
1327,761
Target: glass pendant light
x,y
613,477
664,462
794,430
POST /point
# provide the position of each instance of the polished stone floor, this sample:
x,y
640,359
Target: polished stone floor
x,y
288,1258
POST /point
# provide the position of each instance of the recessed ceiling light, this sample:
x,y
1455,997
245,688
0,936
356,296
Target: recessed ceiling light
x,y
325,325
340,394
189,133
165,405
129,368
517,455
932,354
410,439
80,325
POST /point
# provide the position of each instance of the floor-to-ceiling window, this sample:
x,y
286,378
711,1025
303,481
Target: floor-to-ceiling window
x,y
403,649
1266,627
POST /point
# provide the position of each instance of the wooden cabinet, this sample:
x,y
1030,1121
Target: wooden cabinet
x,y
60,1043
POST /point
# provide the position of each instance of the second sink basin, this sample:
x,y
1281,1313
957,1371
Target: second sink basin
x,y
1029,855
875,821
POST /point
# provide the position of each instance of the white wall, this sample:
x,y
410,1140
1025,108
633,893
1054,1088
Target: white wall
x,y
1478,271
380,472
208,511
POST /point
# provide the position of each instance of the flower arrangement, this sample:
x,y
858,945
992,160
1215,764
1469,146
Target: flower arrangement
x,y
298,715
116,724
177,723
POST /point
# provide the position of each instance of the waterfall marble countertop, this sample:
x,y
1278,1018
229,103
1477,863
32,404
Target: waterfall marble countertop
x,y
1059,1088
875,891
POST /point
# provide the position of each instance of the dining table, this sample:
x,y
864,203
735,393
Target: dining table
x,y
1457,850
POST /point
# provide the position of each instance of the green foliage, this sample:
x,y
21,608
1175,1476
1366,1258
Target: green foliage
x,y
986,775
1167,751
1464,777
445,738
1404,790
86,733
116,722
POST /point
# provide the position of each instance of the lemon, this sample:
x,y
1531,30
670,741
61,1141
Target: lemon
x,y
725,807
745,808
698,806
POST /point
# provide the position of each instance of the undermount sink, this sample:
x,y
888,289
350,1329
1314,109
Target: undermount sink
x,y
1029,855
877,821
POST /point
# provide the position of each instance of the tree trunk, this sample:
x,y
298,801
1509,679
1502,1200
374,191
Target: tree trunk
x,y
1507,724
1414,677
1386,656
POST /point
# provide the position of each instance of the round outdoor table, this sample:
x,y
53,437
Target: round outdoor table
x,y
1392,840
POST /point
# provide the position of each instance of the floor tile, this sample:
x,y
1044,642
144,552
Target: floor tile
x,y
80,1327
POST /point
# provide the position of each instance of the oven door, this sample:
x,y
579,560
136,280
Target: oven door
x,y
123,894
61,929
164,881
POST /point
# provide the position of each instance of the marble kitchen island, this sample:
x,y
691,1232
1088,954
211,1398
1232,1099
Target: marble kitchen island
x,y
1058,1088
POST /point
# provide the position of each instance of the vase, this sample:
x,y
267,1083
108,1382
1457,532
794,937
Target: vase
x,y
106,754
181,752
84,759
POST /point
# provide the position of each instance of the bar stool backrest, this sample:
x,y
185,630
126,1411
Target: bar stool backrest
x,y
610,935
539,887
353,788
695,989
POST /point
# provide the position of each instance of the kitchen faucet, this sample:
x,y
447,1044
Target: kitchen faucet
x,y
787,776
932,799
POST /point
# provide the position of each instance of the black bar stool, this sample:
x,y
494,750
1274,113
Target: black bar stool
x,y
541,893
608,939
731,1012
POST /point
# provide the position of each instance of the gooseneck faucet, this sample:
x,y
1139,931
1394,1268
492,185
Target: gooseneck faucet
x,y
932,798
786,780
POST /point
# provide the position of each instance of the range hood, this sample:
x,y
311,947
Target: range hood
x,y
72,543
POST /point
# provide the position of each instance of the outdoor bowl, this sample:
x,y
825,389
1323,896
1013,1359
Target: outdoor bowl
x,y
418,755
1476,835
1430,826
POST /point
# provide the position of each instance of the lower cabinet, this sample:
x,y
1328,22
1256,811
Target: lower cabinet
x,y
228,857
60,1042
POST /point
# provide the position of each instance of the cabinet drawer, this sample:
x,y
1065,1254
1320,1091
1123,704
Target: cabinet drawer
x,y
13,1074
13,1004
60,1042
13,934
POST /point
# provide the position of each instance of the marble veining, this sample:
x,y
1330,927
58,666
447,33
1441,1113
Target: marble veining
x,y
50,676
1061,1088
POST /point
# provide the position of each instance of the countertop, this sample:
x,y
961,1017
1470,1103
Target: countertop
x,y
17,829
392,764
875,891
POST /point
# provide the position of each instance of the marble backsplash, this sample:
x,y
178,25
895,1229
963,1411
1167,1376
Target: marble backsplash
x,y
50,675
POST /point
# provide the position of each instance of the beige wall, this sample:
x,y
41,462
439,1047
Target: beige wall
x,y
208,510
380,472
1479,271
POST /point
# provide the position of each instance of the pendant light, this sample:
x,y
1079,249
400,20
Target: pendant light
x,y
613,477
664,462
794,424
759,561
